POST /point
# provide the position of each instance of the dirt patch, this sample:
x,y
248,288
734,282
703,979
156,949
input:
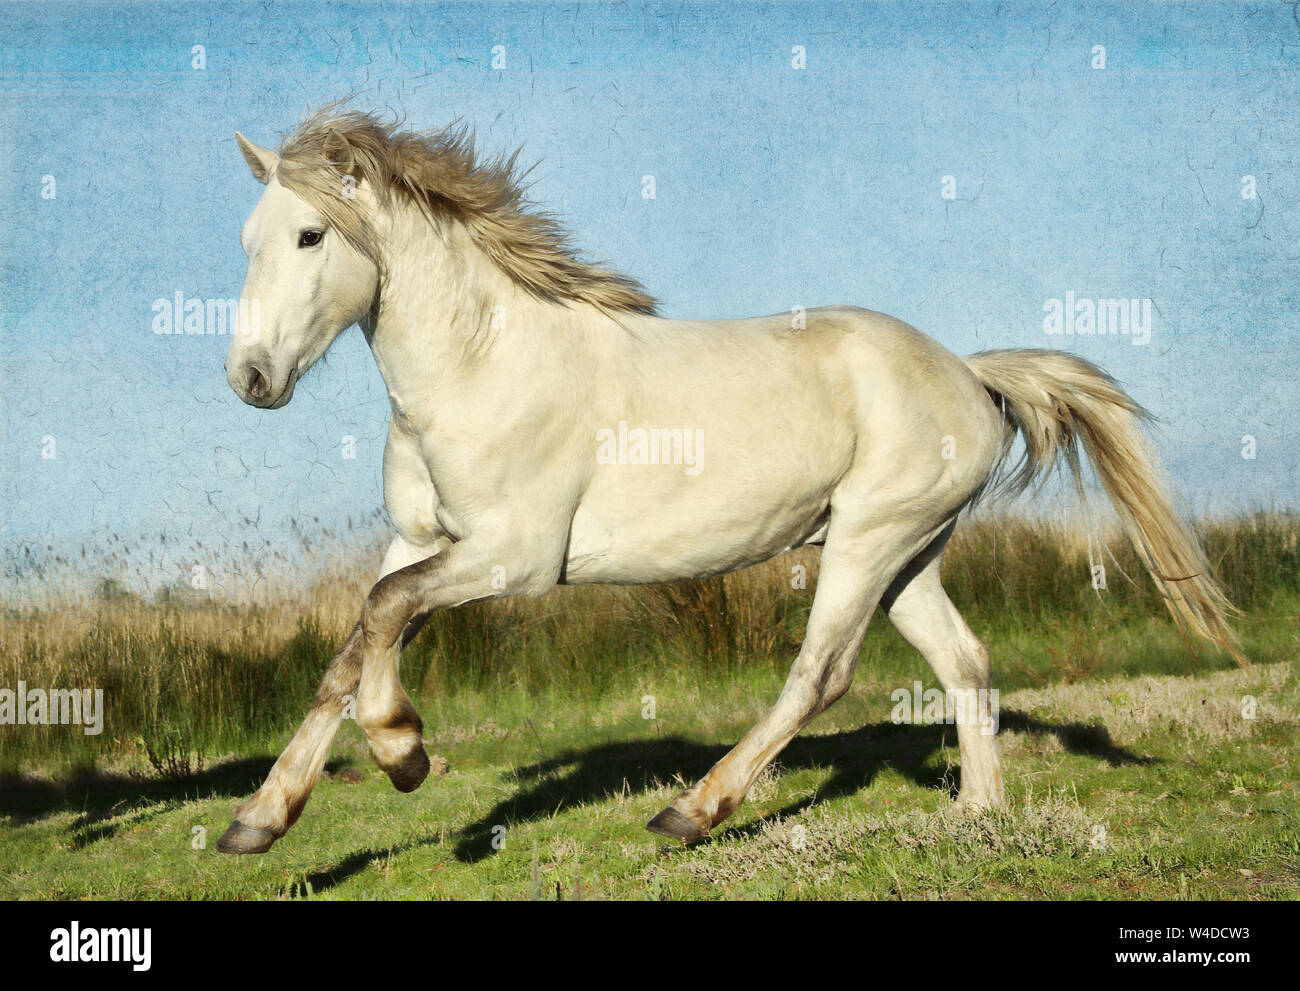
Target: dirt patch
x,y
1225,705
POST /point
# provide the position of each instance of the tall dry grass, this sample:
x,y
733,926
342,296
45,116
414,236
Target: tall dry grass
x,y
185,675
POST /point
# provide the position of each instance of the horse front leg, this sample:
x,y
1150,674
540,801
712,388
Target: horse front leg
x,y
386,714
461,574
273,808
267,815
384,711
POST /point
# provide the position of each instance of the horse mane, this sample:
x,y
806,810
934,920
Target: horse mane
x,y
440,173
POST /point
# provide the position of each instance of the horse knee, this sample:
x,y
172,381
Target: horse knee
x,y
386,711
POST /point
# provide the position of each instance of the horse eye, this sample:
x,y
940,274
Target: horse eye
x,y
309,239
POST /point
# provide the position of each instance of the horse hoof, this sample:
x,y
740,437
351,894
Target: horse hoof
x,y
411,772
245,839
676,826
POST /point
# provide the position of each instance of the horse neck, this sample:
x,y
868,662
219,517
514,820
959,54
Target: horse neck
x,y
443,306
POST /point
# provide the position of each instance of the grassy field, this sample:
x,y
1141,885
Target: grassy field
x,y
1134,769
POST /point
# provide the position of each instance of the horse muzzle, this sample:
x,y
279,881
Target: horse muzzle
x,y
258,384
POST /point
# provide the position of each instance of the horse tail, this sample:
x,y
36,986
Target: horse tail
x,y
1059,402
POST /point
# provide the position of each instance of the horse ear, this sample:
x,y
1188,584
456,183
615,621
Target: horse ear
x,y
338,152
260,160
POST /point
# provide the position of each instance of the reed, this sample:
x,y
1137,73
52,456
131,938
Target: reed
x,y
187,676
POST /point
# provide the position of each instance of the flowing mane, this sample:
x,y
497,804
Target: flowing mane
x,y
440,173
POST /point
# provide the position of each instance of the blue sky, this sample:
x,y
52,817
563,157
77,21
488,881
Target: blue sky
x,y
775,186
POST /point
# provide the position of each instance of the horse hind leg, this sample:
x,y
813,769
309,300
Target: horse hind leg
x,y
856,569
921,611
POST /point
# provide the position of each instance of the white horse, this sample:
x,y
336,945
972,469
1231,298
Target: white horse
x,y
547,427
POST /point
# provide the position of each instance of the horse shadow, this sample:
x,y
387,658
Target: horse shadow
x,y
581,775
109,803
854,758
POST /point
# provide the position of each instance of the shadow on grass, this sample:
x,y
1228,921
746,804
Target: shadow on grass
x,y
109,803
854,757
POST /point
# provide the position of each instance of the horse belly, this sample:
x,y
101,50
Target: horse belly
x,y
637,532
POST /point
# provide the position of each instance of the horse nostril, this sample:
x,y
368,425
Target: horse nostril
x,y
257,382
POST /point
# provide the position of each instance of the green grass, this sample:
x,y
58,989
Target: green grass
x,y
1138,785
1131,768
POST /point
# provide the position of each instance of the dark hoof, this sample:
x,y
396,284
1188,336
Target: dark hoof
x,y
676,826
245,839
411,772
